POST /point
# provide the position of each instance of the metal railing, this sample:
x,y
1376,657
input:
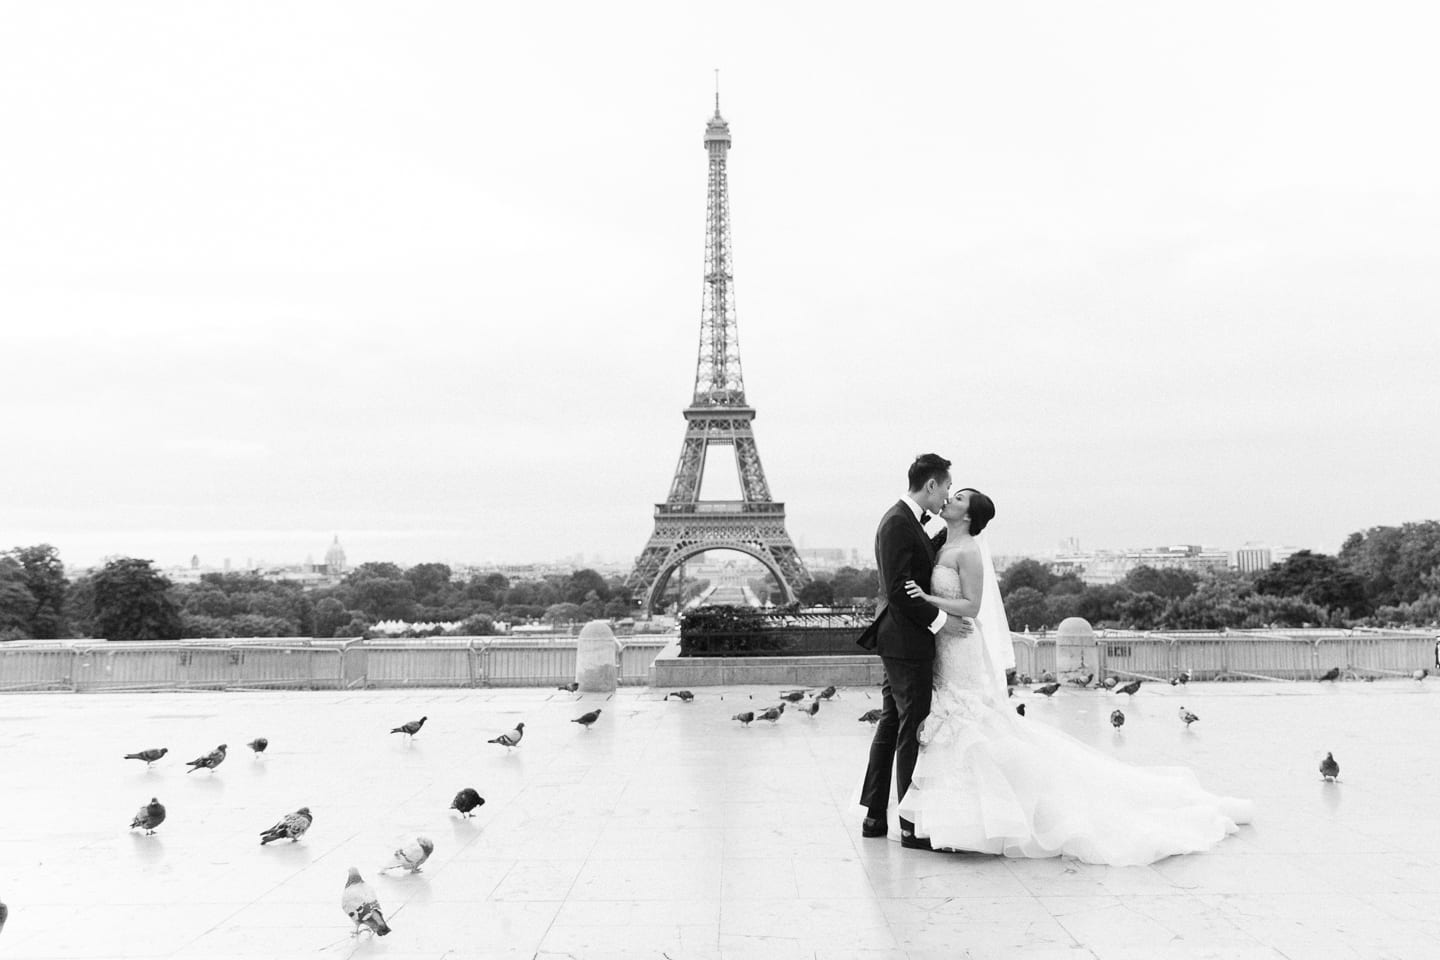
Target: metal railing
x,y
94,666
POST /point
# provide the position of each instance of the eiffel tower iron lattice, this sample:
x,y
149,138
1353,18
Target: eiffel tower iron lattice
x,y
718,415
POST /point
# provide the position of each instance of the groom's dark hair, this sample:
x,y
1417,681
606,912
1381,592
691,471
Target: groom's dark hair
x,y
928,466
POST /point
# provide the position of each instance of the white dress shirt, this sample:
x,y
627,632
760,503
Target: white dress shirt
x,y
940,615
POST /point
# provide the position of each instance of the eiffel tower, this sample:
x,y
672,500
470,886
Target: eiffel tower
x,y
685,525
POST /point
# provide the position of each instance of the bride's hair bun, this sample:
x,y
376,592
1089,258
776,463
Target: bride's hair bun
x,y
981,510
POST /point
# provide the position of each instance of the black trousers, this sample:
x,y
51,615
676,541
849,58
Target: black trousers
x,y
906,693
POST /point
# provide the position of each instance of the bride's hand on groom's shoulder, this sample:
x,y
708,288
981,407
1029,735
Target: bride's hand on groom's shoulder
x,y
913,588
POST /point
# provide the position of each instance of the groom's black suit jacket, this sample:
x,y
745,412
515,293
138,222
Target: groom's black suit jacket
x,y
903,552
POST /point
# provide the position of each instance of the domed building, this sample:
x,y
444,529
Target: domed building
x,y
335,558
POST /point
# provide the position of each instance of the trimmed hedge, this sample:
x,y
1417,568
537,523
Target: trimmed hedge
x,y
727,631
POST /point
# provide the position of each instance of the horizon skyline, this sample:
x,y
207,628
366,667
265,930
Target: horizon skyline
x,y
241,561
1145,276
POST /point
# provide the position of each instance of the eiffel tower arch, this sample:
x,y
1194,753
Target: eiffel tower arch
x,y
718,415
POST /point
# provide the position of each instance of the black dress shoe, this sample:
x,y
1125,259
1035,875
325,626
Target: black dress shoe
x,y
912,842
873,827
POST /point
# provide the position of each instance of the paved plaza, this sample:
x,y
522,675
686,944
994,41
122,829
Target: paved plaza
x,y
668,830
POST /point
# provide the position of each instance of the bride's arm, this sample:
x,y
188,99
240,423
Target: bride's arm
x,y
970,580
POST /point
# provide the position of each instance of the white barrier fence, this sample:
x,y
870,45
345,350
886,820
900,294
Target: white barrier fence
x,y
93,666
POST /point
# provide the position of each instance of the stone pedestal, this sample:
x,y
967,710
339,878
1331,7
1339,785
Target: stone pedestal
x,y
1074,646
596,651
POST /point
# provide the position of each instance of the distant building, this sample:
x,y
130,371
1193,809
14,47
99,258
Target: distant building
x,y
1112,566
1253,558
335,558
825,558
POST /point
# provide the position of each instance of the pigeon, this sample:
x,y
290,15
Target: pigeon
x,y
149,756
1117,719
510,739
588,718
1182,677
210,761
744,718
149,817
771,714
359,903
794,696
4,912
871,716
292,826
1188,717
1109,682
1047,677
411,728
1023,680
412,855
1049,689
1332,674
1130,687
1020,709
825,694
258,745
1329,769
466,801
811,710
1083,682
685,695
571,687
1420,674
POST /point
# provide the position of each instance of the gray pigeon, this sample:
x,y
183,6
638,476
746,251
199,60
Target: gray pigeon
x,y
1332,674
1420,674
149,756
210,761
292,826
1130,688
586,719
825,694
150,816
1049,689
813,709
871,716
794,696
4,912
771,714
1109,682
744,718
1188,717
570,687
1117,719
1082,682
1329,769
411,728
1020,709
412,855
359,903
466,801
258,745
685,695
511,738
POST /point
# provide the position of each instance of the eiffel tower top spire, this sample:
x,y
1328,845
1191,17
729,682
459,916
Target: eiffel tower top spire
x,y
718,380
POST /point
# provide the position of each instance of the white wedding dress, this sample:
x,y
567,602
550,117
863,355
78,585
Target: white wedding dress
x,y
990,781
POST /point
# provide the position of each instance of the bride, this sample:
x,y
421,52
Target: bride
x,y
990,781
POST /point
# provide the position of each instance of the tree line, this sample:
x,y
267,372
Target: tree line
x,y
1383,576
129,599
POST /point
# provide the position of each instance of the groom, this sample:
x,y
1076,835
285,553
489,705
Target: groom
x,y
903,633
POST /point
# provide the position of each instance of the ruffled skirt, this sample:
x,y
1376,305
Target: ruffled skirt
x,y
990,781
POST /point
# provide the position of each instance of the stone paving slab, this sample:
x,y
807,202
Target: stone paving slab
x,y
668,830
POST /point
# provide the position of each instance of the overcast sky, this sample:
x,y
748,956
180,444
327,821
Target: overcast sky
x,y
428,275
